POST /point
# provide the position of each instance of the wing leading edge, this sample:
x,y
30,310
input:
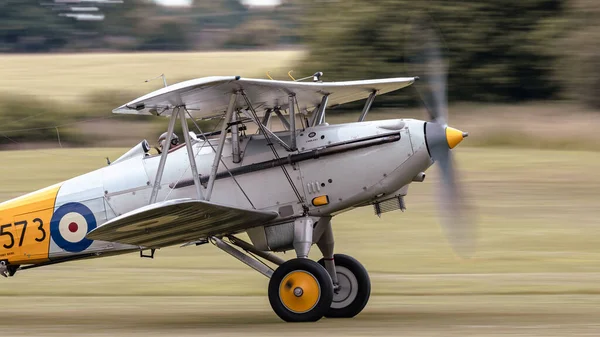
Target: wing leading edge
x,y
209,96
177,221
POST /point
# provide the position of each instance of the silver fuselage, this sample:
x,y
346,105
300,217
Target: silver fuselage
x,y
356,177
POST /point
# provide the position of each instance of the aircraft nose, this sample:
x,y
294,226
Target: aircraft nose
x,y
454,136
441,138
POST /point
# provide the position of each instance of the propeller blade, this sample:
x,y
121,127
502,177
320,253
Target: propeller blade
x,y
456,214
427,60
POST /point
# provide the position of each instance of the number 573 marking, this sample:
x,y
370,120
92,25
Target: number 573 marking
x,y
23,224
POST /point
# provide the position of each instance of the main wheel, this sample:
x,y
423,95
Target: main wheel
x,y
300,290
354,288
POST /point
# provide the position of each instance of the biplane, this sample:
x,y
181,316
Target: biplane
x,y
281,187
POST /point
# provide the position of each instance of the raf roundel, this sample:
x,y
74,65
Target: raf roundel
x,y
69,226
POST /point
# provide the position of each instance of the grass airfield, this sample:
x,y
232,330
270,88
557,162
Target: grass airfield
x,y
537,270
69,77
251,316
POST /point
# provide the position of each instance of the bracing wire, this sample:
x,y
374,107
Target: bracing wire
x,y
270,143
195,155
206,141
222,162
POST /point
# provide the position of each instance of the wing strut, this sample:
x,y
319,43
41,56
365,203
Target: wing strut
x,y
215,165
235,139
190,151
291,98
284,121
222,162
268,133
163,159
319,116
178,112
367,107
264,130
266,117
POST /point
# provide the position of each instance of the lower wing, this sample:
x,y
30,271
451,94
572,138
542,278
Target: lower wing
x,y
177,221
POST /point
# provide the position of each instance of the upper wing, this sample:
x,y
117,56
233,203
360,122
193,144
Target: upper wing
x,y
177,221
209,96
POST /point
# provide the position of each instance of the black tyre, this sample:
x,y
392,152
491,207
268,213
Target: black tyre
x,y
354,287
300,290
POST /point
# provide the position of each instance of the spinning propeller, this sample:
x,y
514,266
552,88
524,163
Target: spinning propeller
x,y
456,215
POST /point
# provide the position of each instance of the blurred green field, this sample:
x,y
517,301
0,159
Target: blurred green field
x,y
537,270
68,77
539,234
558,125
424,316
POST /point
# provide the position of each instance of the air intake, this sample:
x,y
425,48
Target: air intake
x,y
389,205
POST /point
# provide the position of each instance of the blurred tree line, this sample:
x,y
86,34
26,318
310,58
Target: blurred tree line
x,y
41,26
498,51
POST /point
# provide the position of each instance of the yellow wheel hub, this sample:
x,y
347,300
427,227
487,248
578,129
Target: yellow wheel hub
x,y
299,291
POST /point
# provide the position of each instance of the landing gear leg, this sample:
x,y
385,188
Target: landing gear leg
x,y
326,244
3,269
303,236
352,286
300,290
